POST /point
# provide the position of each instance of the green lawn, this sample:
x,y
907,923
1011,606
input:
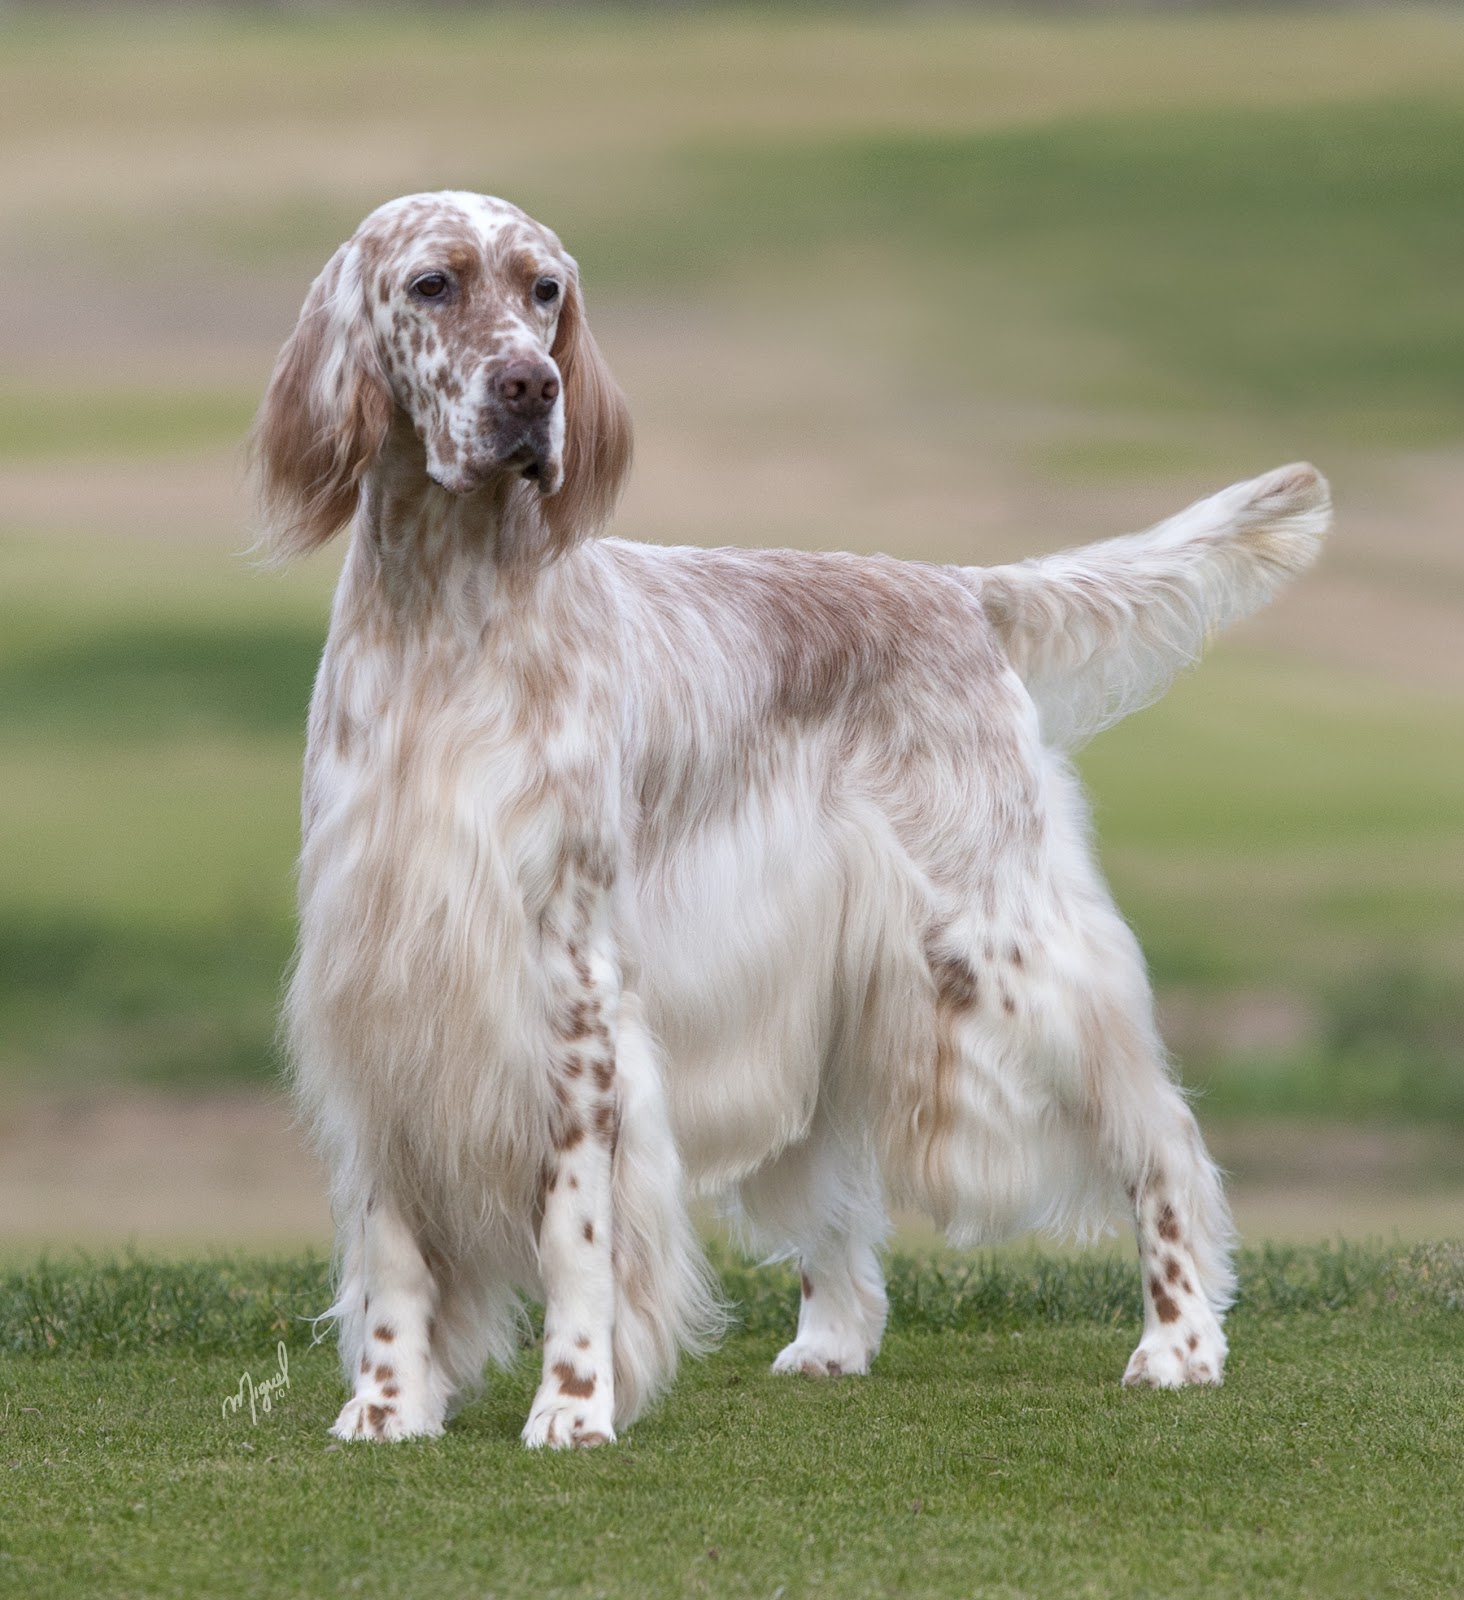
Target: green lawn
x,y
991,1452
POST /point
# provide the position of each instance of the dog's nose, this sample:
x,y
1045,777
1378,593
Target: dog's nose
x,y
527,388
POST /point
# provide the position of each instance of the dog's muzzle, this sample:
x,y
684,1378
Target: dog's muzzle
x,y
521,435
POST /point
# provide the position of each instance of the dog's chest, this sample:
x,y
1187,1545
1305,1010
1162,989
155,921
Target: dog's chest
x,y
440,806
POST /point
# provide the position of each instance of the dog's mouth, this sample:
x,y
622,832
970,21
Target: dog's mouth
x,y
535,460
527,461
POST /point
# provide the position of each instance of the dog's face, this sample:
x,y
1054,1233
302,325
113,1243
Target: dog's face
x,y
462,316
465,299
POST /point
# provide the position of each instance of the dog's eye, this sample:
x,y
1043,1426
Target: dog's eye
x,y
546,291
431,285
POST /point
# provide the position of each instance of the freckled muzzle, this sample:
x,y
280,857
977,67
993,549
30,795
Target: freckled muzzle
x,y
523,422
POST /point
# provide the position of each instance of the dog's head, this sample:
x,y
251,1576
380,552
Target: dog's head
x,y
460,317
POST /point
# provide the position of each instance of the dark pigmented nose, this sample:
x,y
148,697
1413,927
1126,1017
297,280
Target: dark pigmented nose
x,y
527,388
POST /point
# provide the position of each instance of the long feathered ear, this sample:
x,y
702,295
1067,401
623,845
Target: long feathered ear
x,y
324,418
597,433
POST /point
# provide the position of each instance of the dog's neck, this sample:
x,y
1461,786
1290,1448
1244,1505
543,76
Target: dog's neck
x,y
425,556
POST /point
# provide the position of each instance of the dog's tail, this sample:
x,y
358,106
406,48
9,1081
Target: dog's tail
x,y
1098,632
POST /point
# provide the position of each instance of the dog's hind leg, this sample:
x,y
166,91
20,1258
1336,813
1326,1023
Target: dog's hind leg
x,y
823,1203
1050,1098
1144,1141
1146,1138
1185,1235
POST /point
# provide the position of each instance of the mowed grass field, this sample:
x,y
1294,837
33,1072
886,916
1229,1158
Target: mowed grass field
x,y
992,1452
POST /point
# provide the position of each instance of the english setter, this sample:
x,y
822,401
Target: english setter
x,y
628,871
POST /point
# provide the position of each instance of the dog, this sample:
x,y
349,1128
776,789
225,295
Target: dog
x,y
631,872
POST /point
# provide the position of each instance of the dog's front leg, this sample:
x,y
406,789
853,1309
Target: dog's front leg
x,y
399,1390
575,1404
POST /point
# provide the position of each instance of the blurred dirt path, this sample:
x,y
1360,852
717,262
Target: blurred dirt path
x,y
232,1172
160,1171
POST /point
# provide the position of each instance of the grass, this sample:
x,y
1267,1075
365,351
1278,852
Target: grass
x,y
992,1451
1294,263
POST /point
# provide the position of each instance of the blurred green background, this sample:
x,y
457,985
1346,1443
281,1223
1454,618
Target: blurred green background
x,y
959,285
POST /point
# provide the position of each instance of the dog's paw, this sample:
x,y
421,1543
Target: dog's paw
x,y
562,1422
369,1417
1171,1357
820,1358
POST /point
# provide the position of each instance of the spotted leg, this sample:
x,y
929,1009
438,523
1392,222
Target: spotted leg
x,y
575,1403
1183,1341
399,1391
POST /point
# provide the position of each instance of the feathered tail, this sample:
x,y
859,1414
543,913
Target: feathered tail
x,y
1098,632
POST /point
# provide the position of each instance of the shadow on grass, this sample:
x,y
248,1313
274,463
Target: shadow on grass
x,y
90,1004
143,682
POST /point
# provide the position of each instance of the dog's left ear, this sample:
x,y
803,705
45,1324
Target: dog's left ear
x,y
597,433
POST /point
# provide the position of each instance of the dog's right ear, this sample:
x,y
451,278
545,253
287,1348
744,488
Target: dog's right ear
x,y
325,416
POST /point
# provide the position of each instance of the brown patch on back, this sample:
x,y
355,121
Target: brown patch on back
x,y
571,1383
589,1233
383,1372
1172,1270
807,1285
1168,1224
384,1333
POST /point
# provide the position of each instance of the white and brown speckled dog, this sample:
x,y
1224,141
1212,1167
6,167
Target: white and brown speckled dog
x,y
625,867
